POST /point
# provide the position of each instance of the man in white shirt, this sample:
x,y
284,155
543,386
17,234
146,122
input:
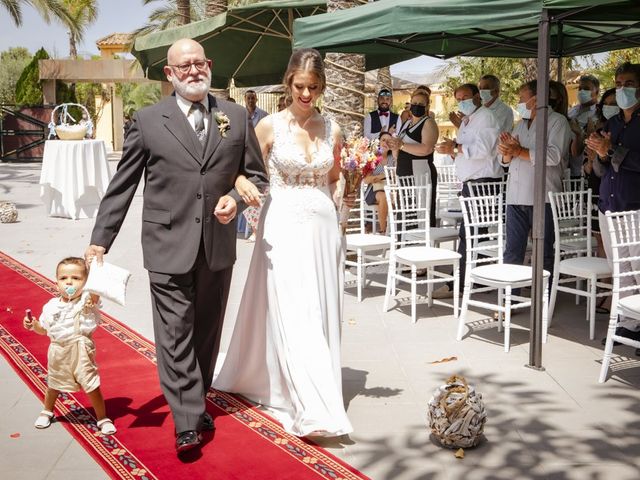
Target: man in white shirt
x,y
518,152
581,115
381,119
489,86
474,153
251,102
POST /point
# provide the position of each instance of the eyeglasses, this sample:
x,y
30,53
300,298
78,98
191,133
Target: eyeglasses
x,y
200,65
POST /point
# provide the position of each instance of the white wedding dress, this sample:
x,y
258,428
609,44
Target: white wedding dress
x,y
285,348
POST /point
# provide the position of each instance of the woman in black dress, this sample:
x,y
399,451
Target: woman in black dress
x,y
415,142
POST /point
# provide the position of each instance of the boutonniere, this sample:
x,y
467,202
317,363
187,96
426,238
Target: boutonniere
x,y
223,123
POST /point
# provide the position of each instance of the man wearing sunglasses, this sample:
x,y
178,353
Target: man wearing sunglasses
x,y
190,147
381,119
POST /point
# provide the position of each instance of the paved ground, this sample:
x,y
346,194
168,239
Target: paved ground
x,y
557,424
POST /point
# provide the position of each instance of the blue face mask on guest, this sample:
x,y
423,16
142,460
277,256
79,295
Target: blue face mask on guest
x,y
584,96
524,112
626,97
467,106
485,96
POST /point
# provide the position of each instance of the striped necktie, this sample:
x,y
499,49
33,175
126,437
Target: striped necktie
x,y
197,110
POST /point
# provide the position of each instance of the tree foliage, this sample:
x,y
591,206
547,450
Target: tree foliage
x,y
28,87
12,63
605,70
138,95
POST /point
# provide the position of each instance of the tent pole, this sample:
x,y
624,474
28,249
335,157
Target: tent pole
x,y
537,255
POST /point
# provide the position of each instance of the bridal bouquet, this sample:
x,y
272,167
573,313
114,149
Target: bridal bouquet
x,y
358,158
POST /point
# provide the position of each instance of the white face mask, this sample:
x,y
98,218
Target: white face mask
x,y
584,96
485,96
609,111
626,97
524,112
467,106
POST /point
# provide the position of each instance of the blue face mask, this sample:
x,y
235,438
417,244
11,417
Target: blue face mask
x,y
609,111
626,97
584,96
485,96
524,112
467,106
70,291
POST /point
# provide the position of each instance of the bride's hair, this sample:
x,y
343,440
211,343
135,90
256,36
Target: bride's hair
x,y
304,60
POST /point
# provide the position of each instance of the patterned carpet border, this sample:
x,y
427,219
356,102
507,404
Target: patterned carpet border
x,y
116,455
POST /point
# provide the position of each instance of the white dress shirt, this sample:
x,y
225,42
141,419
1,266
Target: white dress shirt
x,y
520,183
384,121
584,116
185,107
503,113
478,134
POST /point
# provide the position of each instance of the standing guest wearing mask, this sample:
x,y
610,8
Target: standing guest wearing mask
x,y
416,142
518,151
581,115
382,119
489,86
618,165
475,155
559,102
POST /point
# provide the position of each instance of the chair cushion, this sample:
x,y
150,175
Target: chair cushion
x,y
585,266
504,272
424,256
366,241
630,306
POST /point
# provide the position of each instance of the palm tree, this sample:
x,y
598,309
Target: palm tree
x,y
83,13
215,7
344,97
171,14
46,9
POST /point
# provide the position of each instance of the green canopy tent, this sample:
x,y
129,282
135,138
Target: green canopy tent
x,y
251,44
499,28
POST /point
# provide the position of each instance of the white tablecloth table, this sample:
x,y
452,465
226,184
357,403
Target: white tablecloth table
x,y
75,175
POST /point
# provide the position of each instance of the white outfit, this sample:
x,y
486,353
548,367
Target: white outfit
x,y
521,172
584,116
58,318
503,113
478,134
285,348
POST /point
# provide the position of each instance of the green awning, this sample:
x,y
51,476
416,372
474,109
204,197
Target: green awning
x,y
449,28
251,44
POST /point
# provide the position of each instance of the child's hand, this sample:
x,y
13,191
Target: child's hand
x,y
28,321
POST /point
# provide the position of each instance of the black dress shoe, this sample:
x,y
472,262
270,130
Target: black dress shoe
x,y
207,423
187,440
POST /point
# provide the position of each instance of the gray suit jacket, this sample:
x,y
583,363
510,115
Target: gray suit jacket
x,y
183,183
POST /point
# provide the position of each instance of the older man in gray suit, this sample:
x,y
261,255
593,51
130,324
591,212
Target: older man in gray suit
x,y
190,147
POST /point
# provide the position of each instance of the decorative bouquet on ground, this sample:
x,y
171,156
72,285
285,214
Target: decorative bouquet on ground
x,y
358,158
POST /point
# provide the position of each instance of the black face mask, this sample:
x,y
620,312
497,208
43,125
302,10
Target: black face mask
x,y
418,110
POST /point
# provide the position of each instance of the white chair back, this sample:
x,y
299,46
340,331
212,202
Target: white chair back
x,y
483,214
624,231
573,184
409,208
572,222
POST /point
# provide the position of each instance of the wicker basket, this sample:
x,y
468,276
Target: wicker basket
x,y
69,129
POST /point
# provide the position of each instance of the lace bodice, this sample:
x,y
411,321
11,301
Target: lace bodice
x,y
288,165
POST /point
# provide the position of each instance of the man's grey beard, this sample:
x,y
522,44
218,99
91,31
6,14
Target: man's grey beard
x,y
193,90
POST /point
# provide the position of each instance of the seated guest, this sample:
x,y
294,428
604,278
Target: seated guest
x,y
376,182
381,119
618,164
489,86
518,151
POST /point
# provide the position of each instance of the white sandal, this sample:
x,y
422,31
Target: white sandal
x,y
106,426
44,419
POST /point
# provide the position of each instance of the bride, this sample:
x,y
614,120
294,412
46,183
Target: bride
x,y
285,348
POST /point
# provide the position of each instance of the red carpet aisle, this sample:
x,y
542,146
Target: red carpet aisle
x,y
246,445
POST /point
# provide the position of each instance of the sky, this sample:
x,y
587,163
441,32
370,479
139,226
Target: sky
x,y
117,16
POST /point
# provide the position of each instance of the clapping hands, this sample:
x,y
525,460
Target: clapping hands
x,y
456,118
509,146
599,143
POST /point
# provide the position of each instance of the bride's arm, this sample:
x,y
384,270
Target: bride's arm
x,y
247,190
334,173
